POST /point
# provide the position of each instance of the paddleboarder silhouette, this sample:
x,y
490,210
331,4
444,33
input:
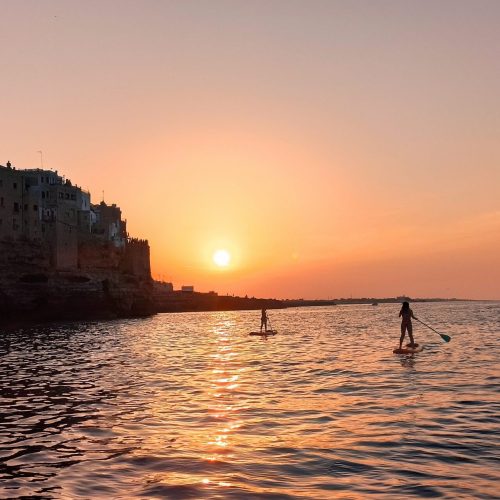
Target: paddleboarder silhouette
x,y
406,326
263,320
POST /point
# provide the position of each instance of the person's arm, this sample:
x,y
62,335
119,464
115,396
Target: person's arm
x,y
412,315
400,312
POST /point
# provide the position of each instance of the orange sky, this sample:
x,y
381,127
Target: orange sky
x,y
333,148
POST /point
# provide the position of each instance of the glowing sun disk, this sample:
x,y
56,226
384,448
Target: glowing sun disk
x,y
221,258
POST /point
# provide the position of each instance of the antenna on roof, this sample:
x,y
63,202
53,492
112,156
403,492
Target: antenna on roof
x,y
103,195
41,159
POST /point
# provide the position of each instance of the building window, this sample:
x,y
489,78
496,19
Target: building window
x,y
35,208
16,207
14,185
1,202
61,195
67,196
25,207
15,226
1,222
73,197
1,183
43,195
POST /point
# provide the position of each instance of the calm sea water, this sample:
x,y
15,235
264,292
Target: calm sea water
x,y
190,406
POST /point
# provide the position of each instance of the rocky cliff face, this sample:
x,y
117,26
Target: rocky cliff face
x,y
31,290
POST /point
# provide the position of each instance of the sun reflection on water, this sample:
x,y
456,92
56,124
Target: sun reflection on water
x,y
224,401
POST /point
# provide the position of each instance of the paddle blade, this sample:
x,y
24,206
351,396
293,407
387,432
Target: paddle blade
x,y
446,338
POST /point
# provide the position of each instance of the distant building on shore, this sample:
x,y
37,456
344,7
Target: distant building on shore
x,y
42,207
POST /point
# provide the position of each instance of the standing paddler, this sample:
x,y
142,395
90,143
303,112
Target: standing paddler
x,y
406,314
263,320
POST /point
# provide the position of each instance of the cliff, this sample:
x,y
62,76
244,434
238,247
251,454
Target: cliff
x,y
32,290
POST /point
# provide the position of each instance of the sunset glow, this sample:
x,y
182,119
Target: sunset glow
x,y
340,152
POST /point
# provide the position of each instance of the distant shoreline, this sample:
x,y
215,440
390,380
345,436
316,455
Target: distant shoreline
x,y
179,302
365,301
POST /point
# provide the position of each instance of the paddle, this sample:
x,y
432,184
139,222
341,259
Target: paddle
x,y
270,323
446,338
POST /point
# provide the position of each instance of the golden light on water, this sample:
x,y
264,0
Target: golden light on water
x,y
225,375
216,413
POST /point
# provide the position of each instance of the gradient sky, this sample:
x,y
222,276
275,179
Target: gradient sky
x,y
335,148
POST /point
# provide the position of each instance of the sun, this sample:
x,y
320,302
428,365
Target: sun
x,y
221,258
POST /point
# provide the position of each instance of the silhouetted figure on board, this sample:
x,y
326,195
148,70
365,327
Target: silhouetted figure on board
x,y
263,320
406,314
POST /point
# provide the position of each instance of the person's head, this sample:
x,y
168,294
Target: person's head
x,y
406,306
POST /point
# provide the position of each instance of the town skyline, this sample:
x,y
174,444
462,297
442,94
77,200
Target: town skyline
x,y
332,149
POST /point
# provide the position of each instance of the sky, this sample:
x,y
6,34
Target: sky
x,y
333,148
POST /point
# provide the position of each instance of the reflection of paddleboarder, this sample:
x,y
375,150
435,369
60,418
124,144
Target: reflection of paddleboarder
x,y
406,314
263,320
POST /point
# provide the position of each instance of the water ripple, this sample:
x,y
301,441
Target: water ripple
x,y
190,406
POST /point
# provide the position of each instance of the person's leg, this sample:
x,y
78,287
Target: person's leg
x,y
403,329
410,334
261,323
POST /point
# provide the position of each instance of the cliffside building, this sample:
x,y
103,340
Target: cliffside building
x,y
41,206
108,225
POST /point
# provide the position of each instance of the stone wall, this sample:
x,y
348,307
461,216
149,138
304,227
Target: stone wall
x,y
136,258
99,255
23,256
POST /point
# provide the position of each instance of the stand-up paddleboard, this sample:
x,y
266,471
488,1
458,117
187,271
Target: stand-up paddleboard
x,y
264,334
408,349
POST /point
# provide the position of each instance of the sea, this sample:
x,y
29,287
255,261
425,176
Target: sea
x,y
189,406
